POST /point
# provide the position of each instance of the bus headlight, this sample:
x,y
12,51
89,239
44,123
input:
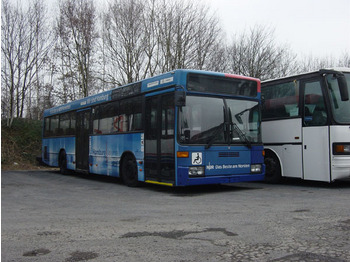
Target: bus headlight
x,y
195,171
341,149
256,168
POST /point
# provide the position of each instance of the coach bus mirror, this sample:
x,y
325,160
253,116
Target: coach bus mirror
x,y
343,87
180,98
262,100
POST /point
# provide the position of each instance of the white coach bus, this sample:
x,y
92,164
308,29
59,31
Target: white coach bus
x,y
306,126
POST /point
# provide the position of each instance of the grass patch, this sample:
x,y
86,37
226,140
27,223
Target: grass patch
x,y
20,144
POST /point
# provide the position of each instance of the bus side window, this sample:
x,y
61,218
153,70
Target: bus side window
x,y
136,124
71,130
281,100
315,113
54,125
47,127
168,116
95,120
130,115
64,124
106,118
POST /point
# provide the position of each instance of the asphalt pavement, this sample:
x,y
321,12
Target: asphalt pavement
x,y
46,216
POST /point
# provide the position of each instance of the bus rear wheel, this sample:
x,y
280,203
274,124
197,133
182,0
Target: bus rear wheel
x,y
273,168
63,163
129,171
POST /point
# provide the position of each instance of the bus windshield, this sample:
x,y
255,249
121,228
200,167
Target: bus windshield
x,y
340,108
209,120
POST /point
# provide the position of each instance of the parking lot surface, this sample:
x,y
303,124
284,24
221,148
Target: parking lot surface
x,y
47,216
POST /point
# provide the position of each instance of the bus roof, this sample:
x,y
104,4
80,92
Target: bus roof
x,y
339,69
172,78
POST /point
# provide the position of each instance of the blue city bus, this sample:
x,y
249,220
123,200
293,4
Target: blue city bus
x,y
181,128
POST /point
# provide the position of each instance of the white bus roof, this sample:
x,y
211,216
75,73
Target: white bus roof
x,y
339,69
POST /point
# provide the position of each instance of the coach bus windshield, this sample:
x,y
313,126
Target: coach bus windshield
x,y
208,120
340,109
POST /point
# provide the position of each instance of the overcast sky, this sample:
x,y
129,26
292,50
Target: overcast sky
x,y
317,27
309,27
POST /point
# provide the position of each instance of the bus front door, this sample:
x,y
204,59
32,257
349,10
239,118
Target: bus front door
x,y
82,139
159,139
315,133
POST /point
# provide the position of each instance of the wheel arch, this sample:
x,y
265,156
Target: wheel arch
x,y
129,174
61,153
272,152
124,155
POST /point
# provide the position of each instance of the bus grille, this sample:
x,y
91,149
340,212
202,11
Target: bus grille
x,y
228,154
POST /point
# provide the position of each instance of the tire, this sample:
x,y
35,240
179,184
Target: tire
x,y
63,163
129,171
273,172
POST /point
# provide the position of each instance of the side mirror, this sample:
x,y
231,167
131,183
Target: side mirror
x,y
180,98
343,87
342,84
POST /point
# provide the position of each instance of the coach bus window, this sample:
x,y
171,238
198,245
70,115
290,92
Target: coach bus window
x,y
314,109
340,108
281,100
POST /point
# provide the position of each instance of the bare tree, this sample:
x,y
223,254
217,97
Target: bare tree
x,y
344,60
123,37
256,54
312,63
76,32
177,34
151,38
217,59
208,37
24,49
143,38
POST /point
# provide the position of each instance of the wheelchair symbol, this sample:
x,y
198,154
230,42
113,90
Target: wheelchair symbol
x,y
197,158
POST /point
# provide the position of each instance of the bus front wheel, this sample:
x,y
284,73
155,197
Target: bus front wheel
x,y
273,168
129,171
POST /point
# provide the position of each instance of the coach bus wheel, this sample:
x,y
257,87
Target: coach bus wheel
x,y
63,163
273,168
129,171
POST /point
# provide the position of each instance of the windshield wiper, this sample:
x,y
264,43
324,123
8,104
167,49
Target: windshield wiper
x,y
212,138
235,128
241,135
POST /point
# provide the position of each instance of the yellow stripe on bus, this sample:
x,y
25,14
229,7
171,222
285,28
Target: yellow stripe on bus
x,y
159,183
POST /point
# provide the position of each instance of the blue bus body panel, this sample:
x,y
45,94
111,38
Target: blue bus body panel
x,y
106,152
223,164
176,77
79,104
53,147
